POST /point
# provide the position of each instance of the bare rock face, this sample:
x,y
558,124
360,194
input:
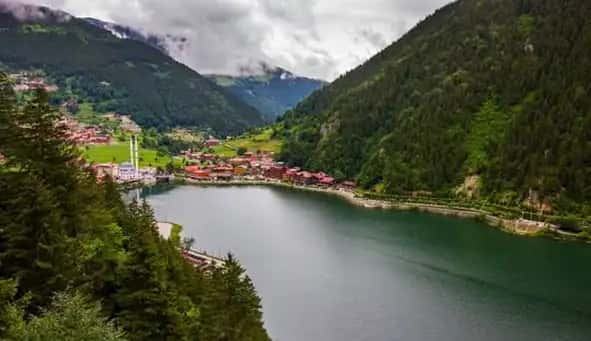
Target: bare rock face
x,y
471,187
330,128
535,202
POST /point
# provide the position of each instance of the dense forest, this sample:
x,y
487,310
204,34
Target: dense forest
x,y
492,92
124,75
77,263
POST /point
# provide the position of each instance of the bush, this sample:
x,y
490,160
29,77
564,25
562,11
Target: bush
x,y
568,223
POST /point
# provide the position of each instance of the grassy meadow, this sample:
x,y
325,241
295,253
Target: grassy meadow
x,y
261,141
119,152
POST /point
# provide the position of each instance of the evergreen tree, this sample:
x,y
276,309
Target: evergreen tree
x,y
61,230
241,319
71,317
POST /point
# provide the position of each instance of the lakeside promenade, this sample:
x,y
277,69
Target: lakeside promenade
x,y
519,226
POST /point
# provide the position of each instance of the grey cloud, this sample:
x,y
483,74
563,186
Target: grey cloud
x,y
317,38
27,12
375,38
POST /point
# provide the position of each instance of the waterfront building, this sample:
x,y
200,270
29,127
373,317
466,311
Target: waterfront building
x,y
275,172
291,174
326,181
197,173
127,172
241,170
305,178
106,169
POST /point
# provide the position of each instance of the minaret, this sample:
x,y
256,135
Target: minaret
x,y
136,157
133,154
131,151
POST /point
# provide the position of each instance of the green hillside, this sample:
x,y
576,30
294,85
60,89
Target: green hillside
x,y
92,65
493,89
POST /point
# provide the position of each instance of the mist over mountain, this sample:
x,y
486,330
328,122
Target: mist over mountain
x,y
271,90
162,42
91,63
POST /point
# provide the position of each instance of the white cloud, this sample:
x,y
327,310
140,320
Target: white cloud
x,y
317,38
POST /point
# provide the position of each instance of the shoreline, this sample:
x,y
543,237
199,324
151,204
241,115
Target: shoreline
x,y
520,227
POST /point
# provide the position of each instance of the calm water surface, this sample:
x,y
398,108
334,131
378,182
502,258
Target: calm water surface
x,y
327,270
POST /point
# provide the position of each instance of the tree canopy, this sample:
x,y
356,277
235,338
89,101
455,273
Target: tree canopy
x,y
495,89
63,235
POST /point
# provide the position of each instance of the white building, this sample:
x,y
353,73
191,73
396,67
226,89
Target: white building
x,y
127,172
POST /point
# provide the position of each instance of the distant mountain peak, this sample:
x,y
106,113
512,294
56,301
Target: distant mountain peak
x,y
262,69
24,12
142,81
270,89
163,42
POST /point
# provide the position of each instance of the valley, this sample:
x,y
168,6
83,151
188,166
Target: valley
x,y
255,171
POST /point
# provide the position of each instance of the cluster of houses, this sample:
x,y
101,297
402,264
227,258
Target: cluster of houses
x,y
25,82
83,134
212,142
251,166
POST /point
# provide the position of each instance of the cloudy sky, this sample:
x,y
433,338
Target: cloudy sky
x,y
316,38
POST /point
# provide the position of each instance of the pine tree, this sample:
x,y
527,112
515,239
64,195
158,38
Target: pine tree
x,y
59,229
70,317
231,310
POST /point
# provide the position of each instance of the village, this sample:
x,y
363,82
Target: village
x,y
203,166
209,168
84,135
252,166
25,81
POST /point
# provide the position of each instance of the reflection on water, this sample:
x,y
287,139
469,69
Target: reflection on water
x,y
327,270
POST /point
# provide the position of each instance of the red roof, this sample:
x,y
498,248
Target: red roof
x,y
319,175
305,174
327,180
224,169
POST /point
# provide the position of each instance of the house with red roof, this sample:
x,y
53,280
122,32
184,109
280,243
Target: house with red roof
x,y
197,173
291,174
275,172
238,161
212,142
326,181
305,178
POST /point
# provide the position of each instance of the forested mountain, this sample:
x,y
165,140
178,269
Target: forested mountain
x,y
125,75
494,92
76,263
273,91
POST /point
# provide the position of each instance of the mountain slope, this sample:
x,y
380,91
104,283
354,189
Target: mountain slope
x,y
490,90
272,93
160,42
119,74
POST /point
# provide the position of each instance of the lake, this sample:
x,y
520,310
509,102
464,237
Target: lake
x,y
327,270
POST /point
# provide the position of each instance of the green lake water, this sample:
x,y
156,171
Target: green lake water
x,y
327,270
